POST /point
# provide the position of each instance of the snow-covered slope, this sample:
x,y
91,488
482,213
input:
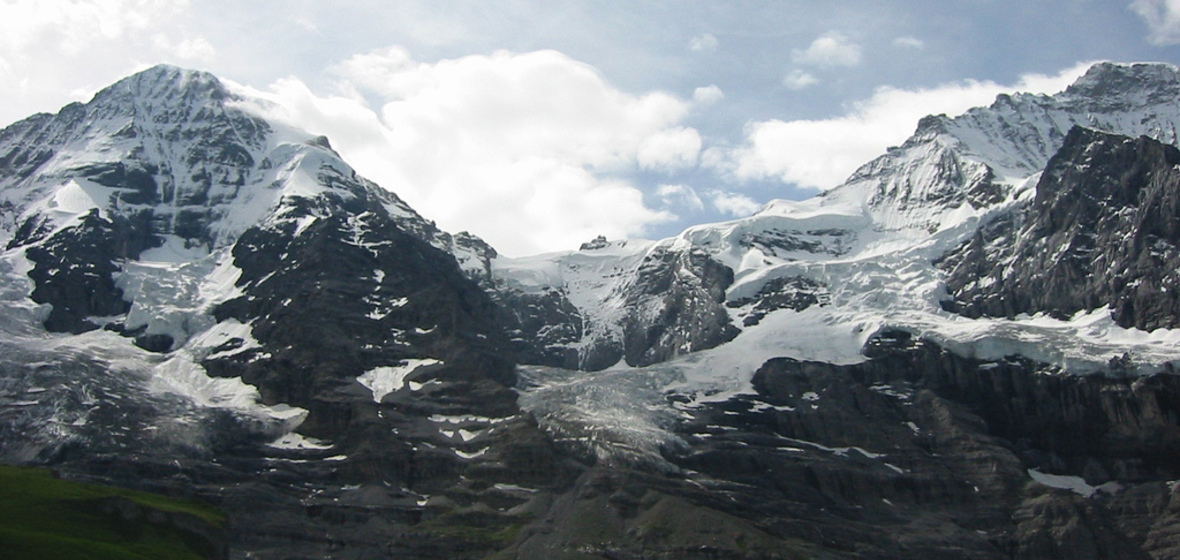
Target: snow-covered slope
x,y
815,279
953,169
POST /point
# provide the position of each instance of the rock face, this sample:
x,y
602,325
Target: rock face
x,y
544,327
74,272
1102,231
676,306
916,426
641,305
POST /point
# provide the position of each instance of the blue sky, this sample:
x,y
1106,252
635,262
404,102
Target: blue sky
x,y
538,125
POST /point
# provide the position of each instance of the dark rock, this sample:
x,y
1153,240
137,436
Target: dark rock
x,y
74,272
599,242
544,328
676,305
155,342
786,292
833,242
1102,231
935,447
348,295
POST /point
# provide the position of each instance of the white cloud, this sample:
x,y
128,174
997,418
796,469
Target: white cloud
x,y
517,148
703,43
707,95
799,79
829,50
682,196
820,154
670,149
909,42
1162,18
73,47
734,204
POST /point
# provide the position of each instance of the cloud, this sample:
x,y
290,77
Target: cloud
x,y
799,79
909,43
522,149
74,46
830,50
821,153
703,43
1162,18
734,204
680,196
670,149
707,95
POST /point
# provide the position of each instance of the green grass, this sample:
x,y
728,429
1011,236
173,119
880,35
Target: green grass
x,y
42,517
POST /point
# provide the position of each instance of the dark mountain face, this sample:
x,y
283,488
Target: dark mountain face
x,y
1101,232
239,317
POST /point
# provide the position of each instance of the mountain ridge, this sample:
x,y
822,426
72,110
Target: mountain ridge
x,y
199,301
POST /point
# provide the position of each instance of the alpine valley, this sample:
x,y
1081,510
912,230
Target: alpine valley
x,y
966,351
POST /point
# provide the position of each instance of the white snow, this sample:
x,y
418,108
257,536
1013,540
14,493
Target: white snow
x,y
385,380
469,456
1072,483
73,199
222,333
175,250
182,376
871,244
297,441
466,418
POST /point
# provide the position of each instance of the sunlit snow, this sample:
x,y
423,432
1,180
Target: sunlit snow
x,y
385,380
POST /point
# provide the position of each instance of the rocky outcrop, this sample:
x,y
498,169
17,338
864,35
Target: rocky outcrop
x,y
676,305
349,293
74,272
1102,231
786,292
544,328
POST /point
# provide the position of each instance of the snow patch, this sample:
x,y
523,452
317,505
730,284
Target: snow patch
x,y
385,380
1074,484
180,375
297,441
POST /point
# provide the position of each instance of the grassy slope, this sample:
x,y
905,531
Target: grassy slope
x,y
42,517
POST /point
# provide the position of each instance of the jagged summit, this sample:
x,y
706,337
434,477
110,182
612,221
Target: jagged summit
x,y
1114,83
958,168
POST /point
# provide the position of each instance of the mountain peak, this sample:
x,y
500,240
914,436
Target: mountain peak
x,y
1113,79
170,84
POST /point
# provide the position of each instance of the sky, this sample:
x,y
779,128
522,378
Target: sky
x,y
540,125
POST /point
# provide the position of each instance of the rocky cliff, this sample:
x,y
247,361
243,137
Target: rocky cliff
x,y
1101,232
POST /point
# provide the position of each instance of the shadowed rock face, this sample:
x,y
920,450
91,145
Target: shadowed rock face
x,y
677,304
672,303
1102,231
921,453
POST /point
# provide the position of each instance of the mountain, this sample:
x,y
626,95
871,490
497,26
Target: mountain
x,y
190,282
965,351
